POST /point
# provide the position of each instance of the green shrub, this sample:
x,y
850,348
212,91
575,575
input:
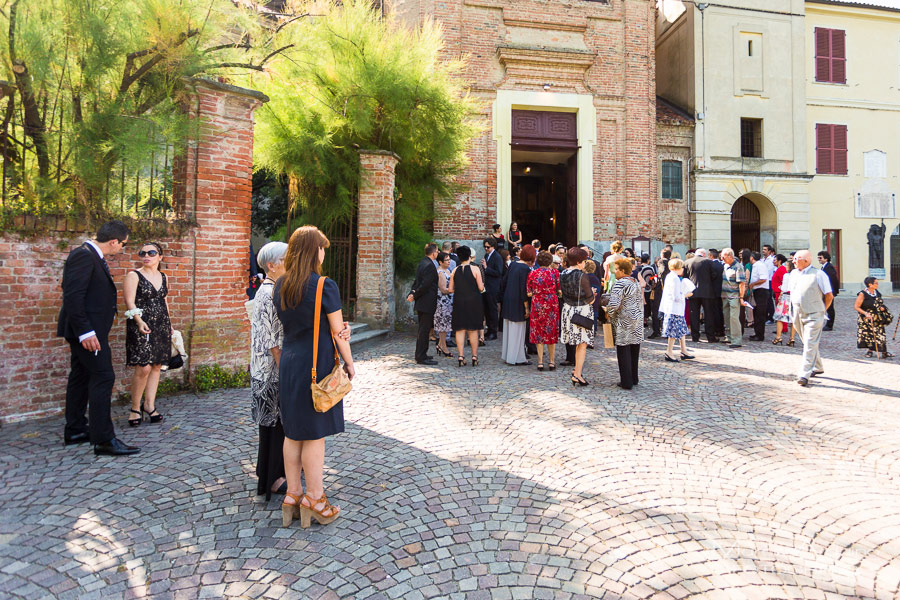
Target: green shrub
x,y
170,386
214,377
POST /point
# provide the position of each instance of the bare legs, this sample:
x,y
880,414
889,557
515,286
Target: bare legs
x,y
670,345
580,354
442,342
551,350
306,457
144,384
461,342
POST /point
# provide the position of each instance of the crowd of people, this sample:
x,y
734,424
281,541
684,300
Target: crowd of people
x,y
537,298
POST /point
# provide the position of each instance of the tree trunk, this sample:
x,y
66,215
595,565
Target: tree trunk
x,y
34,126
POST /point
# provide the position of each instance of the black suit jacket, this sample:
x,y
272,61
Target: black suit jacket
x,y
700,271
832,277
514,292
425,287
493,274
89,296
718,269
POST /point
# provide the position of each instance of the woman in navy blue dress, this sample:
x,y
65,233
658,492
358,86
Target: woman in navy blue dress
x,y
305,429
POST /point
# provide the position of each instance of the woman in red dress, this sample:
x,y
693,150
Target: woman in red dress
x,y
543,289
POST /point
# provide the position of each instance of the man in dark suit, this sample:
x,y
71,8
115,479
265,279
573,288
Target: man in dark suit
x,y
493,276
718,271
425,294
87,314
828,268
699,270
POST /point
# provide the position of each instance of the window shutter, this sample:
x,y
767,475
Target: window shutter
x,y
823,149
839,149
838,56
823,54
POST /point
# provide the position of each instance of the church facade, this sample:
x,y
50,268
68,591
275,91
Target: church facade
x,y
568,148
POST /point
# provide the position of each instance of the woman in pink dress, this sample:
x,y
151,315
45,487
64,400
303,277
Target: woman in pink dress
x,y
543,289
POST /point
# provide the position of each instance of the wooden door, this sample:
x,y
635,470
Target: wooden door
x,y
572,201
831,243
745,225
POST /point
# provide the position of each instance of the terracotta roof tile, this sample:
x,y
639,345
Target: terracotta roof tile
x,y
670,114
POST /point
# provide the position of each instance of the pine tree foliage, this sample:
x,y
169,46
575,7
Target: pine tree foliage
x,y
353,80
93,87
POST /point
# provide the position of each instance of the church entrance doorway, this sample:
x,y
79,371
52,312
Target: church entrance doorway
x,y
544,176
745,228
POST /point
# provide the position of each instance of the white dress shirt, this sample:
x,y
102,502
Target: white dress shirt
x,y
760,271
92,333
770,264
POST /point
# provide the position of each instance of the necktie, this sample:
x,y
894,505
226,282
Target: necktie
x,y
105,266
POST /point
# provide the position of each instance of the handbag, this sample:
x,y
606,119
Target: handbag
x,y
335,385
580,320
609,339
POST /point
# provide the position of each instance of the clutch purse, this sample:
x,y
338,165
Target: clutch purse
x,y
335,385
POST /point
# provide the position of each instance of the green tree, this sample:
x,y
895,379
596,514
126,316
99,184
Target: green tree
x,y
95,85
353,80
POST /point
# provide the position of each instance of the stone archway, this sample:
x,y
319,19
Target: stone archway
x,y
754,222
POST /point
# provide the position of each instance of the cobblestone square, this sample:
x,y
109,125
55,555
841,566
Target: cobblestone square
x,y
718,478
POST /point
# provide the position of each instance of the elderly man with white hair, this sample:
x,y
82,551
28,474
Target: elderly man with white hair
x,y
734,286
811,295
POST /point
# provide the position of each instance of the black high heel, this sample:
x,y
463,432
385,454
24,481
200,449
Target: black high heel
x,y
462,361
474,361
155,417
540,366
777,342
791,344
551,366
670,359
442,353
576,381
136,422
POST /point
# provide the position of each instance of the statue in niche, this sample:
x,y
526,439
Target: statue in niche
x,y
876,245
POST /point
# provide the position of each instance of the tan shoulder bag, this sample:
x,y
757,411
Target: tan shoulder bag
x,y
335,385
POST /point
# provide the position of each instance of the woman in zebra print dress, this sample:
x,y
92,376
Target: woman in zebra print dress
x,y
626,313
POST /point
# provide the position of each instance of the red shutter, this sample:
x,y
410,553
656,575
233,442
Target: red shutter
x,y
823,54
839,149
823,149
838,56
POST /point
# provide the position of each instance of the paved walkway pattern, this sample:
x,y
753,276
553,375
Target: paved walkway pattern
x,y
719,478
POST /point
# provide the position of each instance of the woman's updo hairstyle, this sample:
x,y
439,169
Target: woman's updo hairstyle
x,y
464,253
617,247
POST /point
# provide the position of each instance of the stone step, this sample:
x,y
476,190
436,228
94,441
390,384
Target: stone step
x,y
361,335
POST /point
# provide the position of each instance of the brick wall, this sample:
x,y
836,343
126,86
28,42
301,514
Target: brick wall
x,y
621,78
375,228
206,264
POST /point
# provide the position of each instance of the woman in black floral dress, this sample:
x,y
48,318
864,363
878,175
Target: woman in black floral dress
x,y
148,331
872,319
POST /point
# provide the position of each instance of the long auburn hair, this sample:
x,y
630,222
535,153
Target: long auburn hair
x,y
301,261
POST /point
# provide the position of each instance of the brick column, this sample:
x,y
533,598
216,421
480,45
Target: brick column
x,y
375,256
212,186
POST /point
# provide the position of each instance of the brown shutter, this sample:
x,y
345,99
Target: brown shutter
x,y
823,54
839,149
838,56
823,149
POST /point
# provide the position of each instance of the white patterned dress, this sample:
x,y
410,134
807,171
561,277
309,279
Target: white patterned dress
x,y
444,313
265,333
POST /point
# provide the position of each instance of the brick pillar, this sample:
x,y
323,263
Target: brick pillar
x,y
375,257
212,181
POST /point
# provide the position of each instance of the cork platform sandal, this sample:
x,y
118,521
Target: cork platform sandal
x,y
289,512
308,513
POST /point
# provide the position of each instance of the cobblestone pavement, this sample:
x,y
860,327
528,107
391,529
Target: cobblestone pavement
x,y
719,478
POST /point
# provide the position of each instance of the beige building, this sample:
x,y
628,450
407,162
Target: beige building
x,y
853,135
739,68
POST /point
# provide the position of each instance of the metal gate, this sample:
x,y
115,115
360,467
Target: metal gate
x,y
745,225
340,260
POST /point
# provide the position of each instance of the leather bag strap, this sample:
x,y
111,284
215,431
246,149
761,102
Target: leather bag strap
x,y
319,287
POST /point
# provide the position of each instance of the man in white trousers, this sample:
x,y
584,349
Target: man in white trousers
x,y
810,297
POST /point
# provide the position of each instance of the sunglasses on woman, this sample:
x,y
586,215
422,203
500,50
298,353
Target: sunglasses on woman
x,y
144,253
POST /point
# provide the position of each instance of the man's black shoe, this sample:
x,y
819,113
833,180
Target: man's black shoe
x,y
753,338
429,357
652,336
427,361
827,328
522,364
115,447
803,381
76,438
491,336
735,346
713,340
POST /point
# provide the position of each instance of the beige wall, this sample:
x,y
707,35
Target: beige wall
x,y
725,83
869,105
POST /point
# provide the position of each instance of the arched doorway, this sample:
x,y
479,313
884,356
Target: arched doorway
x,y
745,225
